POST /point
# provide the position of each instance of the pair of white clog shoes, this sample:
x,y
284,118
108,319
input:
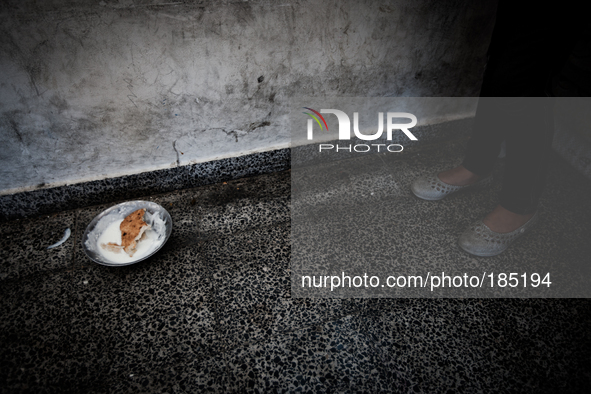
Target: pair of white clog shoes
x,y
478,239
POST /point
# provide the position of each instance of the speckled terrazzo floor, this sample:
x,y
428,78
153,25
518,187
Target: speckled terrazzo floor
x,y
212,312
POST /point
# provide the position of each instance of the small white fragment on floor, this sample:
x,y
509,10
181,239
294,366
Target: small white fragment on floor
x,y
61,241
85,282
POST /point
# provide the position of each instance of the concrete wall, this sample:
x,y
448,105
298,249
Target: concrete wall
x,y
95,89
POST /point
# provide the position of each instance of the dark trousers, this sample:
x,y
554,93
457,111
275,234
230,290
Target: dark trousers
x,y
528,48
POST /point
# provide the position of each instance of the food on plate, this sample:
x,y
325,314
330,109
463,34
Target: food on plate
x,y
132,229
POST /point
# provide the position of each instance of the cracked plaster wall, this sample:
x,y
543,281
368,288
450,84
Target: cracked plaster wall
x,y
96,89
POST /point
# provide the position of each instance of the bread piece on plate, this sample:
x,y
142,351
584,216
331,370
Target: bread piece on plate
x,y
132,228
